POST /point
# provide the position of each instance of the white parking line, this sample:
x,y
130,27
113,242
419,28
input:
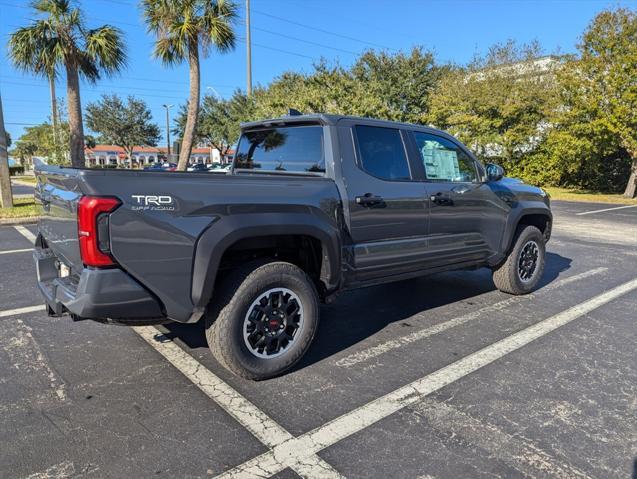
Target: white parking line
x,y
382,348
26,233
246,413
27,309
24,250
605,209
296,450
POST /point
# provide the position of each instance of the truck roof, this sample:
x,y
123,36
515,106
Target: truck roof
x,y
327,119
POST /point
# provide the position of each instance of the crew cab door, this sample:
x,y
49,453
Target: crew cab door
x,y
466,219
386,209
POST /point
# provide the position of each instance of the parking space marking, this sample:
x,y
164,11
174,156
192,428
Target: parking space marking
x,y
16,311
297,449
26,233
26,355
59,471
382,348
24,250
265,429
516,451
605,209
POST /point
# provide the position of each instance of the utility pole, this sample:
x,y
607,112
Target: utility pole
x,y
167,107
248,50
6,196
55,117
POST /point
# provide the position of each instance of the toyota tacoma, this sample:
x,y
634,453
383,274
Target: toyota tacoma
x,y
312,205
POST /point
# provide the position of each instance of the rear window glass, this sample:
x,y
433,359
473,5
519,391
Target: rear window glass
x,y
295,149
382,153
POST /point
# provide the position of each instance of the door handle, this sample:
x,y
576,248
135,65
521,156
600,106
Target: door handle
x,y
369,199
442,199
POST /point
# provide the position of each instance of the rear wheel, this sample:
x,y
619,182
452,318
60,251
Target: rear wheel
x,y
523,268
264,319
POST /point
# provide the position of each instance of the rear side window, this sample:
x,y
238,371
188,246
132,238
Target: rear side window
x,y
295,149
382,153
444,160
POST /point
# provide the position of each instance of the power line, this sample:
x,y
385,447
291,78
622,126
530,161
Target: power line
x,y
304,41
105,85
150,80
278,50
267,47
340,35
97,91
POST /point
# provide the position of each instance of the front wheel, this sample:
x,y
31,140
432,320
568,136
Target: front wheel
x,y
523,268
267,317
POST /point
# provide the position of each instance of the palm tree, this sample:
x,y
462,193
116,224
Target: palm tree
x,y
184,28
59,38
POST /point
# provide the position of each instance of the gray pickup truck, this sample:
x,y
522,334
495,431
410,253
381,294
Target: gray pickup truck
x,y
313,205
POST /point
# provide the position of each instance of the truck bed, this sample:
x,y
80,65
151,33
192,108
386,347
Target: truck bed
x,y
154,233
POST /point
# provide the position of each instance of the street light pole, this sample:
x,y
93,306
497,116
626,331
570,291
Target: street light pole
x,y
167,107
248,50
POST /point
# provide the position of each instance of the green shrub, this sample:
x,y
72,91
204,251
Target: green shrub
x,y
16,170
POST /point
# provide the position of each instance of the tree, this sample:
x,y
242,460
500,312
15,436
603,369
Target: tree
x,y
6,196
498,105
184,30
395,86
24,150
382,85
40,140
600,89
61,38
123,124
219,119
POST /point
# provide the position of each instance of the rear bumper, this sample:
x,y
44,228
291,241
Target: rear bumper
x,y
108,295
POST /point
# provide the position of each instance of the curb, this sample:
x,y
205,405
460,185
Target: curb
x,y
26,220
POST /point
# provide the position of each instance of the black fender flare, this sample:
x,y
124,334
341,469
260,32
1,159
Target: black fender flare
x,y
227,230
517,215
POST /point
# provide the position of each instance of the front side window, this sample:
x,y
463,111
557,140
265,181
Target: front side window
x,y
382,153
444,160
294,149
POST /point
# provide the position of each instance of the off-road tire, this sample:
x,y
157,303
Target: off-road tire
x,y
232,300
506,276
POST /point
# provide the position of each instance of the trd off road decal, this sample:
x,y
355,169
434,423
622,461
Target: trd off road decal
x,y
153,202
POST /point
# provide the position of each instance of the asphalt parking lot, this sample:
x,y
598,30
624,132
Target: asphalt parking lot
x,y
437,377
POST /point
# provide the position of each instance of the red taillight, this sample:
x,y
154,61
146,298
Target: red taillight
x,y
90,209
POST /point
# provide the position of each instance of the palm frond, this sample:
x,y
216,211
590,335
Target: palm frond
x,y
169,51
35,49
87,67
56,8
217,25
104,46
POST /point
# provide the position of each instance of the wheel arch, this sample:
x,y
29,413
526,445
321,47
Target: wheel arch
x,y
540,217
229,231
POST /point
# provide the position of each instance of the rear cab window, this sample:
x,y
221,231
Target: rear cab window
x,y
295,149
381,152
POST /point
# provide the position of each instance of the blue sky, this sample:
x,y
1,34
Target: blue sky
x,y
334,29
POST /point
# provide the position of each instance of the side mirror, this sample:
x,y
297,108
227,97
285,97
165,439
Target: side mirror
x,y
494,172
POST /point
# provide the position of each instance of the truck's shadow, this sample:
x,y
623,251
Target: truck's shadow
x,y
358,314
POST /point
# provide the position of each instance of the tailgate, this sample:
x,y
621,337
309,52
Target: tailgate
x,y
57,192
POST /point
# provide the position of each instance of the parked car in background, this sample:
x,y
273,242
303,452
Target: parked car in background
x,y
167,166
154,167
217,168
197,167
